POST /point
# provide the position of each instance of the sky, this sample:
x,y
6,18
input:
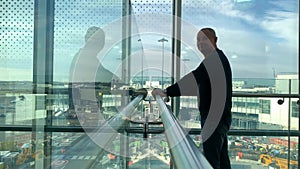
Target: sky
x,y
259,37
256,35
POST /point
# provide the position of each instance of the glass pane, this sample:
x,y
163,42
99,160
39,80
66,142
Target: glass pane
x,y
21,109
260,39
151,152
262,152
189,115
258,113
71,22
16,44
151,45
16,62
20,149
248,23
247,36
75,23
73,150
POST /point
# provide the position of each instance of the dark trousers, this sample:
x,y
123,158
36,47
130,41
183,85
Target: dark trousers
x,y
216,151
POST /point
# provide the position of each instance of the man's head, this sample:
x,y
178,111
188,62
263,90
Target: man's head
x,y
91,31
206,41
94,39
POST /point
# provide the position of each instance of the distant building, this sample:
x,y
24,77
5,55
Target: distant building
x,y
264,112
248,112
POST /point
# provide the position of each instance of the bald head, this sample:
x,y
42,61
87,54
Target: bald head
x,y
209,32
207,40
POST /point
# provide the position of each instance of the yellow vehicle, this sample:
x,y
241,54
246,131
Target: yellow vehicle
x,y
279,161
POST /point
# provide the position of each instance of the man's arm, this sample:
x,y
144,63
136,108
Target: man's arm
x,y
186,86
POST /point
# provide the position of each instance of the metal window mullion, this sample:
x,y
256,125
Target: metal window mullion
x,y
155,130
176,50
298,92
289,124
126,45
43,73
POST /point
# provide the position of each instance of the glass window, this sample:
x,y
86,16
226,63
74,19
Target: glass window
x,y
16,45
266,150
16,61
265,106
71,23
246,34
20,149
151,45
103,51
295,109
75,23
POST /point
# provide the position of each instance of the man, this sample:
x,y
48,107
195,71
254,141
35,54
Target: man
x,y
210,81
86,68
86,64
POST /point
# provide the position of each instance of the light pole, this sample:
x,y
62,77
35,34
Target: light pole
x,y
142,74
142,60
162,40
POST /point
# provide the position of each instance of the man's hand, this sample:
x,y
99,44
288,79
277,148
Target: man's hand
x,y
160,92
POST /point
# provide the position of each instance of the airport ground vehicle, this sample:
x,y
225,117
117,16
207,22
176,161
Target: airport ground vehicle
x,y
279,161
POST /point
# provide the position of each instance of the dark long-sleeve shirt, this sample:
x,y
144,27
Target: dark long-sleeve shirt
x,y
198,83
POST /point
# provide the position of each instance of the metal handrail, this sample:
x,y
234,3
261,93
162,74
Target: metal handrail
x,y
234,94
183,149
107,132
272,95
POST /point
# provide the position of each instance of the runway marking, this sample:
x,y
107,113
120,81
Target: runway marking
x,y
83,157
74,157
59,162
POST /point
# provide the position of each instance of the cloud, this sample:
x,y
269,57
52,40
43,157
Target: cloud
x,y
248,33
282,24
227,8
